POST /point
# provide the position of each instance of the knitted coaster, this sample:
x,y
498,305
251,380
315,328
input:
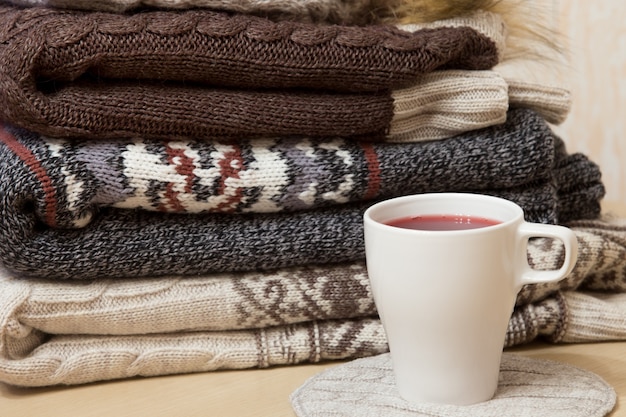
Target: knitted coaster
x,y
365,387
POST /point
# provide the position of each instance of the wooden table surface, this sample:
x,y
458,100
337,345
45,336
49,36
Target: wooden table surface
x,y
257,393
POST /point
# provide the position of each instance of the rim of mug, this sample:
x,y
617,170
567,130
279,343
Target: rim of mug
x,y
518,212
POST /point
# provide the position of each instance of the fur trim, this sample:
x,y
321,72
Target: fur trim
x,y
529,33
423,11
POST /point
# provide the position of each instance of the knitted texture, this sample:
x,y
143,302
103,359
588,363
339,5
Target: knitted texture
x,y
87,359
66,332
600,263
235,301
595,316
552,102
238,50
207,74
537,86
537,76
267,175
526,386
330,11
49,225
445,103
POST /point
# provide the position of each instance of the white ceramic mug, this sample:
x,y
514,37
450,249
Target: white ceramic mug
x,y
445,297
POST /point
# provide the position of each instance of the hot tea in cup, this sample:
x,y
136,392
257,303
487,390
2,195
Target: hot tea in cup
x,y
436,222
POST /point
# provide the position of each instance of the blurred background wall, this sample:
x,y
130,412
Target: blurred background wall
x,y
595,32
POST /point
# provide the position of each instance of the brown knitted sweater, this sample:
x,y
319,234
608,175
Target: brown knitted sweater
x,y
205,74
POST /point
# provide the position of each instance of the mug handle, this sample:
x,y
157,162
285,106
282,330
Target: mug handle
x,y
567,236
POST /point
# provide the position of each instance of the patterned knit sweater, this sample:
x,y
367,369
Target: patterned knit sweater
x,y
87,209
268,175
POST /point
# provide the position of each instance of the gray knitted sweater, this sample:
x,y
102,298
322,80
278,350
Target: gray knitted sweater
x,y
60,203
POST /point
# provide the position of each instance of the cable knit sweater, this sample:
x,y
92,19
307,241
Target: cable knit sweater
x,y
206,74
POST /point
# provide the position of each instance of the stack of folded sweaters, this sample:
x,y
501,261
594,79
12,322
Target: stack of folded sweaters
x,y
183,182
